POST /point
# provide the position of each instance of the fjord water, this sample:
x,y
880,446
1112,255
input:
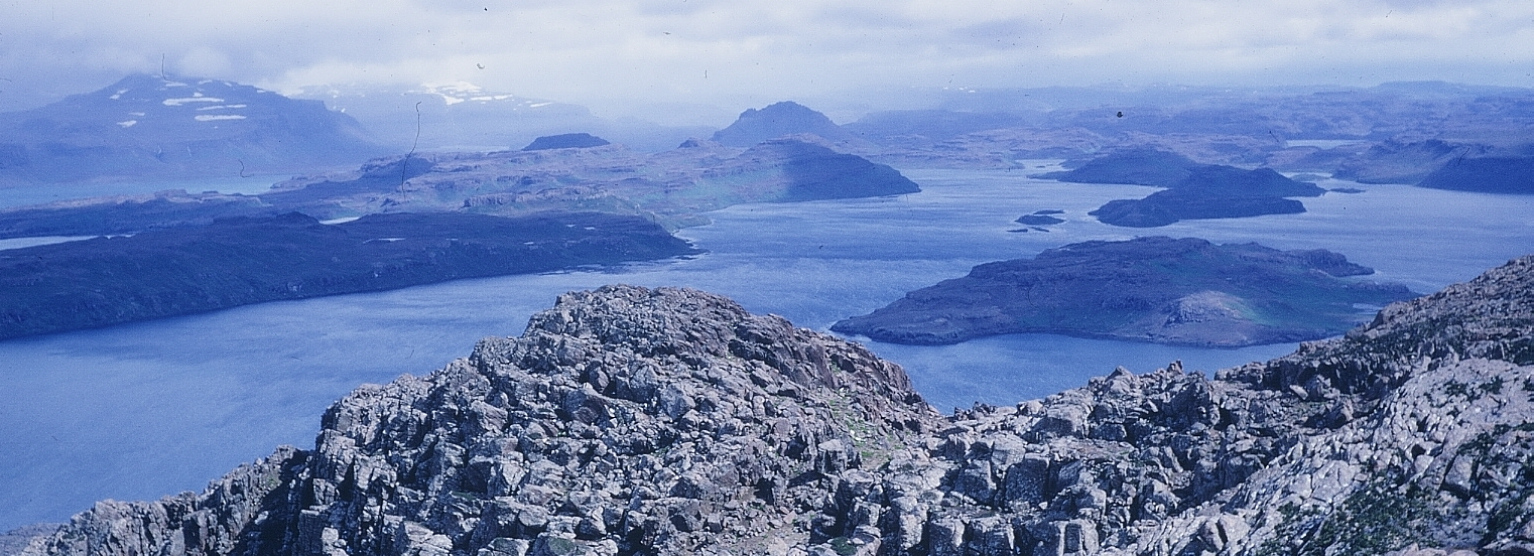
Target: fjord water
x,y
24,196
149,409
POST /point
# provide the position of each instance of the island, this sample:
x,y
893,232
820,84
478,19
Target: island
x,y
1194,191
1211,192
1041,218
245,260
1154,289
1137,166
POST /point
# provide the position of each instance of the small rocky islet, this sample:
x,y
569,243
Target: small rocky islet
x,y
1154,289
631,421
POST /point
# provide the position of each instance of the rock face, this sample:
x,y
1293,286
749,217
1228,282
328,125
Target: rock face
x,y
633,421
625,420
1155,289
777,120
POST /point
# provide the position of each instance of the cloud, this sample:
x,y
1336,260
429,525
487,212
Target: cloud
x,y
626,53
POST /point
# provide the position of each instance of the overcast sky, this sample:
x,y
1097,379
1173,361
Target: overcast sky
x,y
620,55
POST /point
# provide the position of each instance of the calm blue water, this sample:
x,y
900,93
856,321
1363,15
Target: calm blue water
x,y
144,410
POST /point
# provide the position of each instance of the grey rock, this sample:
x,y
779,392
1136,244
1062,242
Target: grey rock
x,y
722,432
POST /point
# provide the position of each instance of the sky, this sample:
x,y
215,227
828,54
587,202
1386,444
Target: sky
x,y
645,57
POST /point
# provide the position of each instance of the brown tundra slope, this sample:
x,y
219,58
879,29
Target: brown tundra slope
x,y
667,421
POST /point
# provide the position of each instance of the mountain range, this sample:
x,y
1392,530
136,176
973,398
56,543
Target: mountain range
x,y
465,116
162,127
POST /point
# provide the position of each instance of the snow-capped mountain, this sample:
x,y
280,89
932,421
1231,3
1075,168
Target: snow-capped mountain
x,y
166,126
465,116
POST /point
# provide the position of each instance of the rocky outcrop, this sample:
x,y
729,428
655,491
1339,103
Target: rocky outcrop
x,y
633,421
1153,289
623,421
1408,433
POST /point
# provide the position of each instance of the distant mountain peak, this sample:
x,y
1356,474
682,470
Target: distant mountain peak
x,y
776,120
175,125
464,91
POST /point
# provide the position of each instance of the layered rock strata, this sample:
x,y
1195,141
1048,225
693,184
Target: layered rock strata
x,y
633,421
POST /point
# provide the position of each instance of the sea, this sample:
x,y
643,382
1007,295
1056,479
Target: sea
x,y
146,410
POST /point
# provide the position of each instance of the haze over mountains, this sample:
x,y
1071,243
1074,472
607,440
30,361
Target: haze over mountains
x,y
1393,133
1216,152
152,127
464,116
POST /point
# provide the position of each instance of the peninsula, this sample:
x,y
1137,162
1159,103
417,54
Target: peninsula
x,y
245,260
1154,289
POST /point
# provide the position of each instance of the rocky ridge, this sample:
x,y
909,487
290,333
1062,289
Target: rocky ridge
x,y
634,421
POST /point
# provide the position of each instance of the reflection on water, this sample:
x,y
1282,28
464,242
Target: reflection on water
x,y
149,409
